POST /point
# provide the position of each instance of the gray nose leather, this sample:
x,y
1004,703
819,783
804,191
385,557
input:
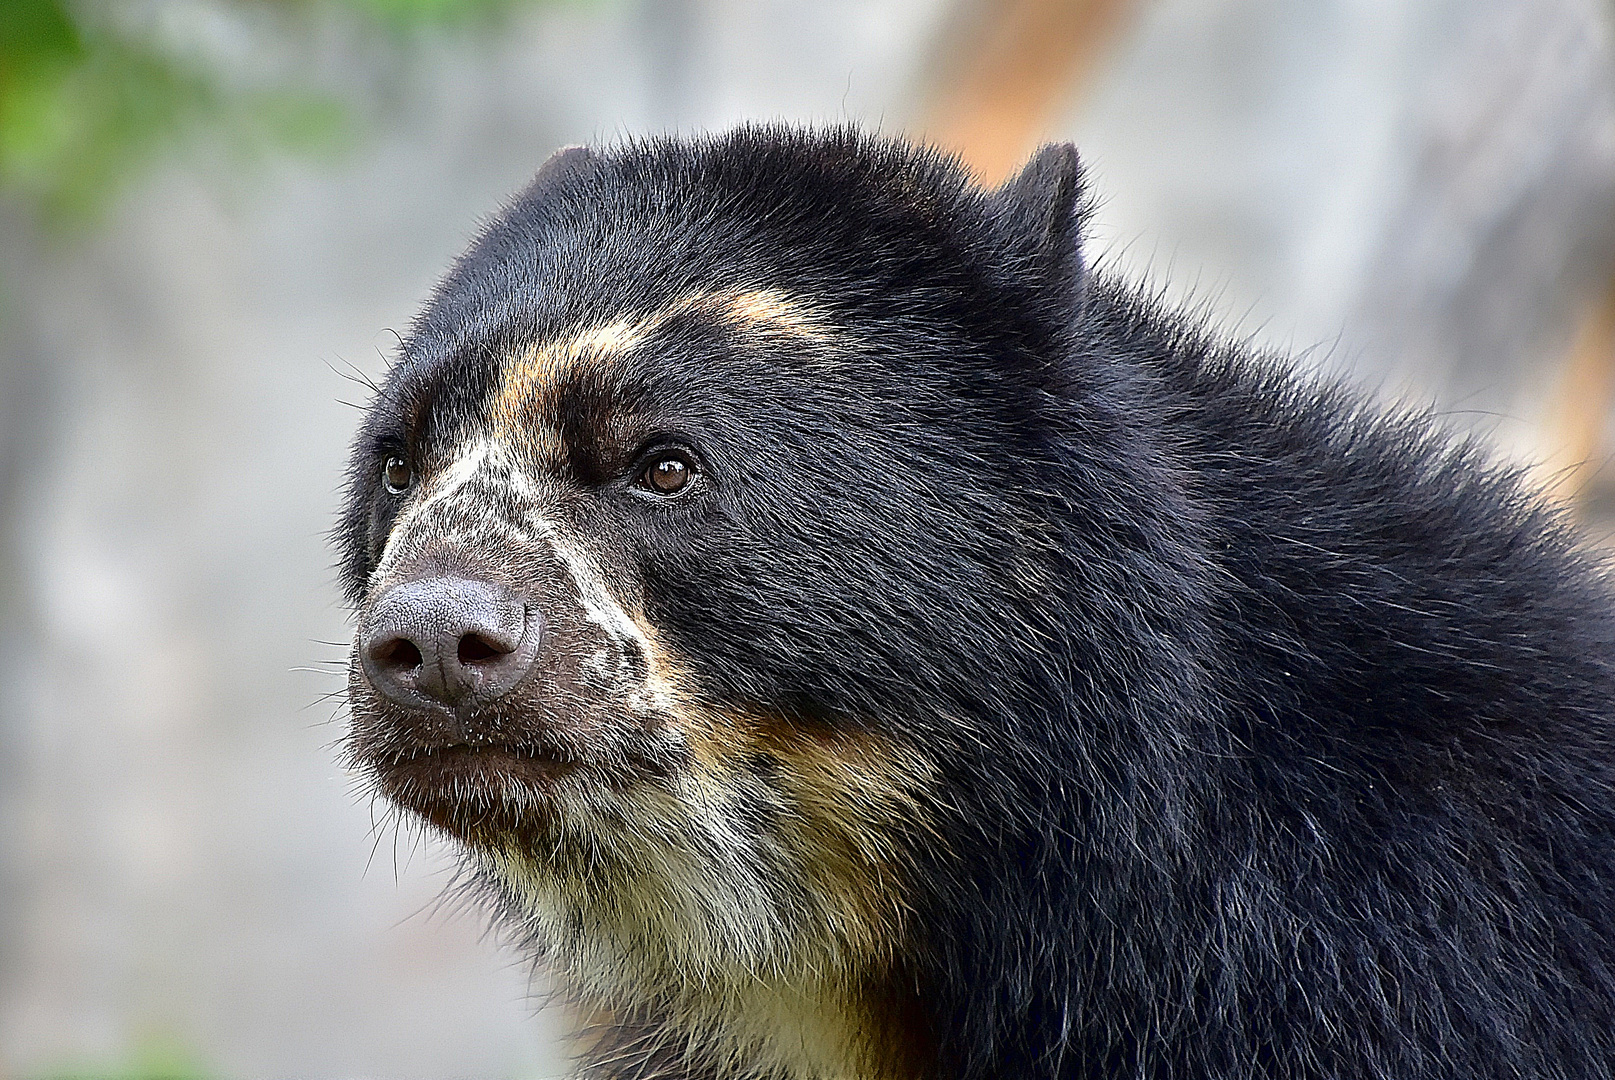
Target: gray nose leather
x,y
448,641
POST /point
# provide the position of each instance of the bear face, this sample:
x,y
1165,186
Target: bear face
x,y
656,615
609,487
847,637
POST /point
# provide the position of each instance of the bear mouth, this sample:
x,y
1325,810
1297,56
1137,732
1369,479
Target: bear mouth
x,y
464,762
473,790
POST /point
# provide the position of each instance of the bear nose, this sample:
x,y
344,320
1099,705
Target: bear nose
x,y
448,641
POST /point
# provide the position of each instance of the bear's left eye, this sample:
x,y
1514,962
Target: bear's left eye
x,y
396,475
667,475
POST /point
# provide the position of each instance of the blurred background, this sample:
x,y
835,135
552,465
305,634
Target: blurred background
x,y
215,214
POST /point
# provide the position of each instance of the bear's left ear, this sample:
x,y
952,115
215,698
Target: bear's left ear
x,y
1041,212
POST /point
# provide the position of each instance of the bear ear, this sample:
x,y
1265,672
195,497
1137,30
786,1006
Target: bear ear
x,y
1041,212
564,162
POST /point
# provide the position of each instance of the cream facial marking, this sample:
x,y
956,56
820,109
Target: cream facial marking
x,y
656,691
689,887
453,509
531,375
752,938
436,491
772,310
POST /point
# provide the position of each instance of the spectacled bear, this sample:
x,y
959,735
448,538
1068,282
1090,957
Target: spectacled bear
x,y
849,635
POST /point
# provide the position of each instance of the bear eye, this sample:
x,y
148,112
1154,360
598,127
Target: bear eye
x,y
667,475
396,475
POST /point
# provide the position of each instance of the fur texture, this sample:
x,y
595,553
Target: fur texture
x,y
1026,683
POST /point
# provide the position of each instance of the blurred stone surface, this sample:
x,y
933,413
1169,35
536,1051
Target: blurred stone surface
x,y
1422,195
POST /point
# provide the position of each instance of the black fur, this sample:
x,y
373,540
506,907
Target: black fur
x,y
1272,730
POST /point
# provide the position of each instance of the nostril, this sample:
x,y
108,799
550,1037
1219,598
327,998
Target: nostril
x,y
399,654
476,649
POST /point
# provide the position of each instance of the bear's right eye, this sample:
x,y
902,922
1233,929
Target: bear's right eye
x,y
396,475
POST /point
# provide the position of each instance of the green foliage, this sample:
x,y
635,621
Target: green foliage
x,y
87,98
153,1059
410,14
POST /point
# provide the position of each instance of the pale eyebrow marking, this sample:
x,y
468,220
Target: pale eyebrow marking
x,y
776,311
531,374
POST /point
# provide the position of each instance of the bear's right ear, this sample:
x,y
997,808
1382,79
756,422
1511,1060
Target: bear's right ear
x,y
1042,212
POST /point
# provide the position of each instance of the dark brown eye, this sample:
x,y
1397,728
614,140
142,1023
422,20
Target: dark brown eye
x,y
667,475
396,475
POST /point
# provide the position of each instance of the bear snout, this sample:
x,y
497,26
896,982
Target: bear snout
x,y
447,642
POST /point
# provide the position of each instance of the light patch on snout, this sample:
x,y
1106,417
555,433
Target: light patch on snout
x,y
454,510
435,491
443,498
656,690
